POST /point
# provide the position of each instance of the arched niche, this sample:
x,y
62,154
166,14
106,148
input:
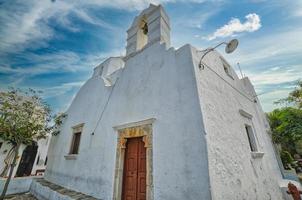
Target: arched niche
x,y
142,33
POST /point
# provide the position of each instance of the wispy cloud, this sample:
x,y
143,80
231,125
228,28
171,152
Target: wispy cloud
x,y
61,89
282,45
20,24
297,9
49,62
136,4
25,24
197,19
63,94
55,62
252,23
275,83
276,75
271,61
29,20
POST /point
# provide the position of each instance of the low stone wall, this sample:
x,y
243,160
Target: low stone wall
x,y
43,192
17,185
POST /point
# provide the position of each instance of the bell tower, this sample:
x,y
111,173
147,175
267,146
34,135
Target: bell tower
x,y
152,25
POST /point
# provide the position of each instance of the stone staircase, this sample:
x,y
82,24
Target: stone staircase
x,y
45,190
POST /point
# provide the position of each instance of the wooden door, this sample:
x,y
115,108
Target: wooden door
x,y
134,178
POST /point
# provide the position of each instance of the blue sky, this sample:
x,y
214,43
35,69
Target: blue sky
x,y
53,46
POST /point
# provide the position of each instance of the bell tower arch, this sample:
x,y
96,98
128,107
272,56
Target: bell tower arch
x,y
142,33
152,25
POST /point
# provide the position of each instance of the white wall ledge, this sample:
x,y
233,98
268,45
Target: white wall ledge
x,y
245,114
133,124
257,154
70,157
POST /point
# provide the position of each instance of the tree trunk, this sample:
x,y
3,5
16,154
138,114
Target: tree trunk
x,y
10,172
7,162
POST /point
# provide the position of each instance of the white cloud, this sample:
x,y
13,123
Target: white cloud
x,y
252,23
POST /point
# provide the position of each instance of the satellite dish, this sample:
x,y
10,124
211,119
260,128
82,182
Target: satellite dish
x,y
231,46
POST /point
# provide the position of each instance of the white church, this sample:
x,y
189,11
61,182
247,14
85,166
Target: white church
x,y
163,124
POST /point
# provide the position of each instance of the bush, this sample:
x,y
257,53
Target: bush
x,y
286,158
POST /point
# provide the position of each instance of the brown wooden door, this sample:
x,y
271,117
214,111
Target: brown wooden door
x,y
134,178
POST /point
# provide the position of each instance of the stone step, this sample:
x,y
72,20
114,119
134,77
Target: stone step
x,y
45,190
25,196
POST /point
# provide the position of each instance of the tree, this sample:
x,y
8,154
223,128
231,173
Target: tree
x,y
286,125
24,118
294,97
58,121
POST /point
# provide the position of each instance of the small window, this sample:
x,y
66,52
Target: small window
x,y
76,138
226,67
75,143
45,163
1,144
251,138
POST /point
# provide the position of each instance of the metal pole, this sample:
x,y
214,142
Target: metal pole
x,y
208,50
240,69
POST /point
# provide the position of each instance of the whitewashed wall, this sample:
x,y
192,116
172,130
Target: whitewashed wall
x,y
155,83
42,153
164,84
234,173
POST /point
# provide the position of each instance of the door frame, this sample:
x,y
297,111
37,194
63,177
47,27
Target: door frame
x,y
131,130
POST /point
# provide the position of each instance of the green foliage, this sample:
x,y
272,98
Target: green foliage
x,y
58,120
286,125
286,158
294,97
24,117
